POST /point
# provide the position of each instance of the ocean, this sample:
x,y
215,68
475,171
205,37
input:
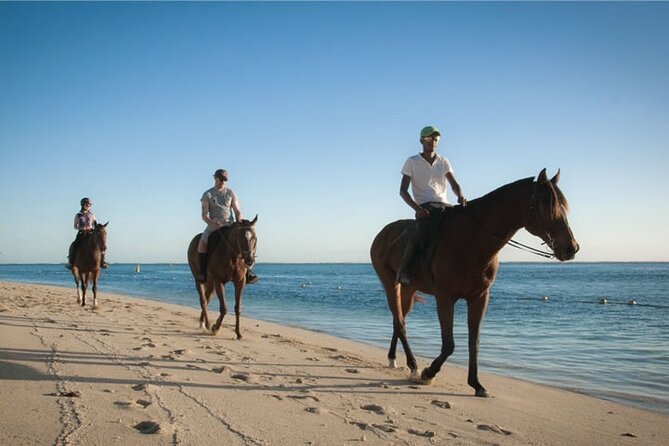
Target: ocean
x,y
545,322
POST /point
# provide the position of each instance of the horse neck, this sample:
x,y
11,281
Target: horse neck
x,y
228,247
501,213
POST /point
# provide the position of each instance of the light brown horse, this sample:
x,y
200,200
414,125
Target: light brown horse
x,y
87,260
232,251
465,261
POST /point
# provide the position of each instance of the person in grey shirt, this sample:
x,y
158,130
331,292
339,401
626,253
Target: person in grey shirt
x,y
218,205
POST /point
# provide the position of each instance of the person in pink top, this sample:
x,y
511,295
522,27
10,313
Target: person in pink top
x,y
84,223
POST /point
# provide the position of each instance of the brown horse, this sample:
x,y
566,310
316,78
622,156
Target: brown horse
x,y
87,259
232,251
464,261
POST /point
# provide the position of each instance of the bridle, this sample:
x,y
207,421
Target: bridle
x,y
239,252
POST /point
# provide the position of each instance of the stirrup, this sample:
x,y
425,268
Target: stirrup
x,y
251,279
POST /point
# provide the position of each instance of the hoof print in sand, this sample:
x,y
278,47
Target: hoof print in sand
x,y
317,410
493,428
442,404
242,377
147,427
374,408
426,434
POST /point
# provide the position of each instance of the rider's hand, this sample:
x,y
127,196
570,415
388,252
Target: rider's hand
x,y
422,213
462,201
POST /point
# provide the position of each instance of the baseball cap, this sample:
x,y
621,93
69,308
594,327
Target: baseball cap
x,y
428,131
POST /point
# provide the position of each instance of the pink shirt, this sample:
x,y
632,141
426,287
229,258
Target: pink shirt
x,y
84,221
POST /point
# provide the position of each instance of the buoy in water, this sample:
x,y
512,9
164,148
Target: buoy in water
x,y
603,301
137,268
631,302
545,298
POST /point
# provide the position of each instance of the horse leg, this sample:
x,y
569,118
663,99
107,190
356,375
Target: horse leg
x,y
75,274
220,292
445,311
204,318
84,285
239,288
95,274
476,309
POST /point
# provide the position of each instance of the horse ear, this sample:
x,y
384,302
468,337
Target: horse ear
x,y
254,220
556,178
542,178
105,225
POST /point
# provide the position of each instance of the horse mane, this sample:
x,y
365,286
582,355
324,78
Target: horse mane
x,y
558,202
502,190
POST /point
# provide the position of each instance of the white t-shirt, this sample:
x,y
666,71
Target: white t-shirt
x,y
428,182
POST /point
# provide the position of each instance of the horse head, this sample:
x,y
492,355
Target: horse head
x,y
548,217
246,239
100,232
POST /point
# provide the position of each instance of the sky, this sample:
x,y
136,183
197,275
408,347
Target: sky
x,y
314,107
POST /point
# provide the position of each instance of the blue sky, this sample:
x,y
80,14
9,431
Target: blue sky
x,y
313,108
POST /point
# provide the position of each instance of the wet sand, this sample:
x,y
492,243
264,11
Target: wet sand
x,y
138,372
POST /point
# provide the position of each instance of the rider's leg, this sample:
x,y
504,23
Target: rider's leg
x,y
413,237
103,264
251,277
202,255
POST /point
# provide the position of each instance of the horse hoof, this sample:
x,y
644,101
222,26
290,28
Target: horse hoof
x,y
392,364
239,337
417,378
482,393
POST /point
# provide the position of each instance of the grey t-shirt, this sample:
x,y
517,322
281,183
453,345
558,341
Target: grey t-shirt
x,y
220,204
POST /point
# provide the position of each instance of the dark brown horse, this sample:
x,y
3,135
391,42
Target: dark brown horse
x,y
465,261
87,259
232,251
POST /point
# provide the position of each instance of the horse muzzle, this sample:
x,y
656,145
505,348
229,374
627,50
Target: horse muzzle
x,y
567,252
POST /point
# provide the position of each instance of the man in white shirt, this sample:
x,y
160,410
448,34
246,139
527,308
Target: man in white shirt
x,y
427,173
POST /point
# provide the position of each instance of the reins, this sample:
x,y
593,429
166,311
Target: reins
x,y
511,242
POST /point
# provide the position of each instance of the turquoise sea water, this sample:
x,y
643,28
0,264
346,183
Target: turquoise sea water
x,y
615,351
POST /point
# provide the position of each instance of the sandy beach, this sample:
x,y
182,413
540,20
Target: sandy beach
x,y
138,372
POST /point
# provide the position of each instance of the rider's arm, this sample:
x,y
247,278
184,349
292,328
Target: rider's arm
x,y
404,193
457,190
205,212
236,209
76,222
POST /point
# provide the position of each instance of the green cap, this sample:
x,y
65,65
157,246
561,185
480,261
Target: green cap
x,y
429,131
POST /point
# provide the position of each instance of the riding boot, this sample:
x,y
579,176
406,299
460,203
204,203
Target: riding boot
x,y
251,278
103,264
403,276
70,256
202,276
